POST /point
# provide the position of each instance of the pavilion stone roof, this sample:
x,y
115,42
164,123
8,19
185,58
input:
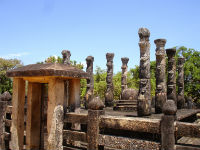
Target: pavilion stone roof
x,y
49,69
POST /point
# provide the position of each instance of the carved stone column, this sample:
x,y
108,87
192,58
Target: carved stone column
x,y
90,82
144,96
66,54
161,88
109,96
171,81
66,57
124,74
180,82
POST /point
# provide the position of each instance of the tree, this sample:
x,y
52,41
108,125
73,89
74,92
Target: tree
x,y
5,65
191,71
100,82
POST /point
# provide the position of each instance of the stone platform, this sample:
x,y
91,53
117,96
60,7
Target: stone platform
x,y
181,113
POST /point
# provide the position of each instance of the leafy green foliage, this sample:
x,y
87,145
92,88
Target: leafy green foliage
x,y
191,72
100,82
7,64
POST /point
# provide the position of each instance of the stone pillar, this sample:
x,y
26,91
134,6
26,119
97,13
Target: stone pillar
x,y
33,116
90,81
180,82
55,138
95,110
161,88
66,60
124,74
144,96
109,96
167,126
5,100
171,81
66,57
55,99
17,127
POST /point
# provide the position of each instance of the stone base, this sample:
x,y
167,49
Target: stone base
x,y
108,104
126,105
125,108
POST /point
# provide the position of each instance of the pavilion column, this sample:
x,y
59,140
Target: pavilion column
x,y
74,95
66,54
17,128
55,98
74,100
161,88
144,96
109,96
33,116
124,74
171,81
90,82
180,97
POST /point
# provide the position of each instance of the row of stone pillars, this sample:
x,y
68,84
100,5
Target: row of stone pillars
x,y
163,91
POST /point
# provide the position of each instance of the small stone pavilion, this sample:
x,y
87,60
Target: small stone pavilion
x,y
53,74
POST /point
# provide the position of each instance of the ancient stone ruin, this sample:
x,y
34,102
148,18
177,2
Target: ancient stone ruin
x,y
128,101
29,123
180,82
171,81
144,96
124,74
109,91
66,57
161,88
90,81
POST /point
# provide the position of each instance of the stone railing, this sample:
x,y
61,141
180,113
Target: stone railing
x,y
100,131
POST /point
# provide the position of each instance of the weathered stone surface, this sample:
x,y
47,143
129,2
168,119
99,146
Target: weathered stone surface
x,y
117,142
109,96
167,126
169,108
17,128
180,82
124,74
131,124
171,82
188,129
130,94
144,96
90,82
55,139
161,90
5,96
96,104
66,57
49,69
94,112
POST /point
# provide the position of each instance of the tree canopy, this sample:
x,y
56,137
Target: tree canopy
x,y
7,64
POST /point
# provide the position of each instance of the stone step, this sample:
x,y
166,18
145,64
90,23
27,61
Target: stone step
x,y
125,108
126,101
126,104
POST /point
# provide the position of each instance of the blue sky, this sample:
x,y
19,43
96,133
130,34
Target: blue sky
x,y
32,30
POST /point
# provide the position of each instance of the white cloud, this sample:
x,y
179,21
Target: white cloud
x,y
14,55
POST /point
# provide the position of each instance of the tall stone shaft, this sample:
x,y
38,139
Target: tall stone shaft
x,y
161,88
124,73
171,80
180,82
144,96
109,96
90,81
66,57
